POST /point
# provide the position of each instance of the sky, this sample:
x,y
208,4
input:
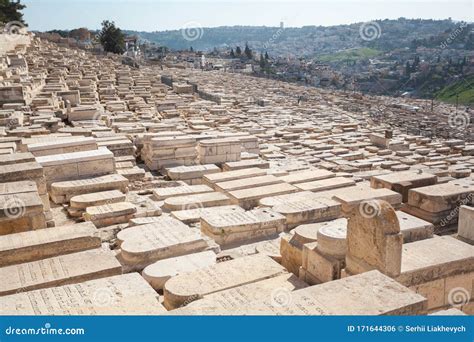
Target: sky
x,y
160,15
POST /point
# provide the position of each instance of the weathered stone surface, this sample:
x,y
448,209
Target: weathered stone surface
x,y
374,240
61,192
240,227
307,176
185,288
59,270
158,273
194,215
401,182
227,176
108,214
164,193
48,242
326,184
466,223
145,244
279,289
124,294
204,200
369,293
248,198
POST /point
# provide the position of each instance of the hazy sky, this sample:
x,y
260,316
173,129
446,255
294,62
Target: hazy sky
x,y
158,15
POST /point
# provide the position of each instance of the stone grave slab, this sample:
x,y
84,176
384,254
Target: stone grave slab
x,y
166,238
185,288
49,242
227,176
108,214
326,184
194,215
59,270
62,192
247,183
204,200
307,176
279,289
158,273
79,203
161,194
230,228
127,294
249,198
403,181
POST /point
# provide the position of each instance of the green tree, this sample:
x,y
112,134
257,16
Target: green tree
x,y
247,51
111,37
10,11
238,51
266,56
232,54
191,49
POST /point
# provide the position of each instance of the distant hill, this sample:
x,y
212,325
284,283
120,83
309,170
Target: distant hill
x,y
306,41
464,88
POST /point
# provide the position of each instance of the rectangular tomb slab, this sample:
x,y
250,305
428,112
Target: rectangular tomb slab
x,y
165,238
248,198
21,212
307,176
369,293
184,288
59,270
127,294
164,193
326,184
308,210
61,192
247,183
232,175
194,215
435,258
48,242
242,227
441,197
228,301
403,181
354,196
208,199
